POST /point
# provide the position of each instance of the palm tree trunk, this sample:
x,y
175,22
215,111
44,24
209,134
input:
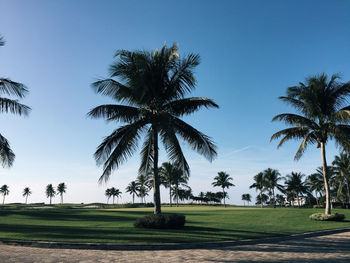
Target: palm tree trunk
x,y
26,198
156,195
274,199
316,198
3,200
223,191
348,191
328,209
133,198
177,196
61,198
298,200
170,195
113,200
261,203
50,200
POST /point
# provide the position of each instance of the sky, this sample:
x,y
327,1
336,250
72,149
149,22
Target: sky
x,y
251,51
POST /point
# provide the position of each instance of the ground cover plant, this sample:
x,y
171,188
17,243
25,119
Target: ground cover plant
x,y
203,224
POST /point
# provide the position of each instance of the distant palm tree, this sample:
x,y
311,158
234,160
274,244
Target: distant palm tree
x,y
259,185
143,183
116,193
296,186
133,189
223,180
179,182
108,194
169,173
4,190
152,86
324,115
61,189
280,199
316,184
10,88
246,197
272,177
261,199
341,166
26,193
50,192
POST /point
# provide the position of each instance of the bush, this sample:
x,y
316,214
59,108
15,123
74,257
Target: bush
x,y
323,217
318,206
164,221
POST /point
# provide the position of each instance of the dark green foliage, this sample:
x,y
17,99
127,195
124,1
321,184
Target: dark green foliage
x,y
162,221
323,217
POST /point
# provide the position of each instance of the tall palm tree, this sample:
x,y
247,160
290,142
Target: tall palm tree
x,y
272,177
179,183
341,166
143,183
296,186
169,174
246,197
26,193
50,192
323,115
108,194
61,189
133,189
152,86
315,183
7,105
116,193
223,180
4,190
259,185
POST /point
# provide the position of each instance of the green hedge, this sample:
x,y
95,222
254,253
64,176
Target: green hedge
x,y
163,221
323,217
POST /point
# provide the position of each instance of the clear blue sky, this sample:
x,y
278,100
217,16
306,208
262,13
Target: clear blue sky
x,y
251,51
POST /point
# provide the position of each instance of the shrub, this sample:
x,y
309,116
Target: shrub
x,y
164,221
318,206
323,217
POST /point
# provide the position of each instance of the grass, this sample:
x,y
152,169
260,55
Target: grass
x,y
203,224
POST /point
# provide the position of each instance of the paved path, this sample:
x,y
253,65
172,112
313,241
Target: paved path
x,y
328,248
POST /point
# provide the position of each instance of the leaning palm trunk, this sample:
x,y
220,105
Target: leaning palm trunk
x,y
325,179
157,209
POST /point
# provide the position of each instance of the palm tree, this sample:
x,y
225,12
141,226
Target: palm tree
x,y
261,199
169,172
50,192
280,199
4,190
316,184
272,177
108,194
259,185
143,183
341,166
61,189
152,86
7,105
26,193
133,189
246,197
296,186
116,193
179,182
322,117
223,180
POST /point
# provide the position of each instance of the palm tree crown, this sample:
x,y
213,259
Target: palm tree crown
x,y
26,193
151,86
18,90
4,190
61,189
50,192
323,115
133,189
223,180
341,165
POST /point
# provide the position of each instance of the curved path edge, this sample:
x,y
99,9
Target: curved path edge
x,y
169,246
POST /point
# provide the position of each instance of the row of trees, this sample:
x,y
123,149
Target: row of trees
x,y
49,190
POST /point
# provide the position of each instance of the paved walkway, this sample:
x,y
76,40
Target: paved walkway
x,y
328,248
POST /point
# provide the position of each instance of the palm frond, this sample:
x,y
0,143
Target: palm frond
x,y
13,106
12,88
6,154
113,89
308,139
113,112
189,105
147,152
289,134
294,119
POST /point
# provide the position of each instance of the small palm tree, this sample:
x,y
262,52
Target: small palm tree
x,y
7,105
261,199
272,177
323,115
143,184
223,180
152,86
26,193
133,189
280,199
117,193
4,190
296,186
61,189
341,166
316,184
108,194
179,182
246,197
259,185
50,192
169,174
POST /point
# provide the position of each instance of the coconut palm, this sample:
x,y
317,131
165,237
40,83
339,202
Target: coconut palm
x,y
152,86
116,193
61,189
133,189
280,199
143,183
341,166
323,115
4,190
223,180
246,197
296,186
179,183
259,185
50,192
26,193
7,105
272,177
108,194
169,174
316,184
261,199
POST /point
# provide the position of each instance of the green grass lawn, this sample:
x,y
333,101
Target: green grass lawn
x,y
202,224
